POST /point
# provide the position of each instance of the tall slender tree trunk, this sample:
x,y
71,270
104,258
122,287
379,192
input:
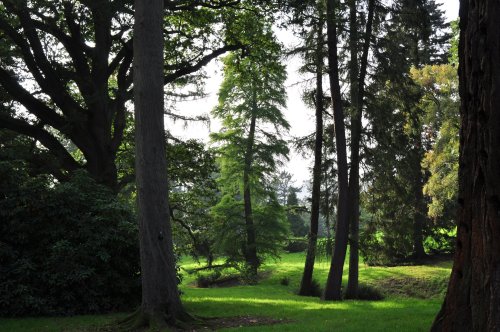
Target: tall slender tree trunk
x,y
328,225
250,246
352,284
358,85
472,302
333,288
416,156
305,285
420,211
161,304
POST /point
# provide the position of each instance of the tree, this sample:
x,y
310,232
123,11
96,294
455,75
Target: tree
x,y
413,36
250,101
334,281
193,192
297,225
161,303
357,76
318,42
440,102
472,299
69,72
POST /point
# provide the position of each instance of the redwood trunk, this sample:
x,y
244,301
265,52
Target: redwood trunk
x,y
160,296
472,302
305,285
333,288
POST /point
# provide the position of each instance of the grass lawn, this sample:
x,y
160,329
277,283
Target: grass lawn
x,y
413,297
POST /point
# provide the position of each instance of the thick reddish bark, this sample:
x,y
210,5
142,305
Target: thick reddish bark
x,y
333,288
472,302
161,304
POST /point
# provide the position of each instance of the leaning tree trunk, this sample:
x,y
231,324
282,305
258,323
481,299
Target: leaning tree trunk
x,y
472,302
161,304
306,283
358,99
250,249
333,288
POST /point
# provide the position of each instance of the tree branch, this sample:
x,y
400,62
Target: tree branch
x,y
191,5
44,137
189,69
35,106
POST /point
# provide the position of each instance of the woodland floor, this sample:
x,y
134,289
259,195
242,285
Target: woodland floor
x,y
413,296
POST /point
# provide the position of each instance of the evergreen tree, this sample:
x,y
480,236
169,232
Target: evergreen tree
x,y
297,225
250,146
413,35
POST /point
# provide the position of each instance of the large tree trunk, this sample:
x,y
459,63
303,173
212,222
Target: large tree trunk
x,y
472,302
250,249
357,95
333,289
161,304
305,285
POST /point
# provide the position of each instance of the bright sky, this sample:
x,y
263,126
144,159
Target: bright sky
x,y
298,115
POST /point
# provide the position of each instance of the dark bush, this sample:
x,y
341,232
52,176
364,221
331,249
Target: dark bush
x,y
296,245
368,293
285,281
206,280
65,248
316,289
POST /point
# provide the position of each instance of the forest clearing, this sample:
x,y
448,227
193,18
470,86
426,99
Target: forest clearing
x,y
412,297
337,166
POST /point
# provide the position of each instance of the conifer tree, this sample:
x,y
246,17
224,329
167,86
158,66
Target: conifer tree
x,y
250,145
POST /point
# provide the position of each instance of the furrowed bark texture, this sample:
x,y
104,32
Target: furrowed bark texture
x,y
333,288
160,296
472,302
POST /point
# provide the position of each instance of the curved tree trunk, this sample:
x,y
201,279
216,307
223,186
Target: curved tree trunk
x,y
472,302
161,304
333,288
305,284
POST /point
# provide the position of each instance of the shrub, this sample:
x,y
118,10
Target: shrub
x,y
65,248
315,290
296,245
206,280
368,293
285,281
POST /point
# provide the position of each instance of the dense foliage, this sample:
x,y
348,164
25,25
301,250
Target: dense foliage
x,y
65,248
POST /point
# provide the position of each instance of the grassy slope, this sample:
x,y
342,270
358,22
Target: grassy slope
x,y
398,312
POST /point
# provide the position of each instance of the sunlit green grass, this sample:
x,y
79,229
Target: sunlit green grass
x,y
270,298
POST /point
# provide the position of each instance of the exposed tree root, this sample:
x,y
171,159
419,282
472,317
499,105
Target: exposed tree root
x,y
140,321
